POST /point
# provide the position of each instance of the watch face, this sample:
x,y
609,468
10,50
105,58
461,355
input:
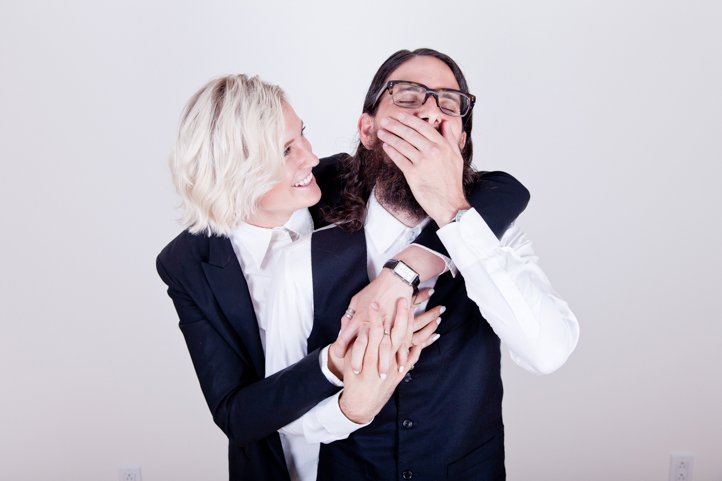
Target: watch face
x,y
406,272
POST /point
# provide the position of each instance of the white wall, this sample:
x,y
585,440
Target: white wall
x,y
610,111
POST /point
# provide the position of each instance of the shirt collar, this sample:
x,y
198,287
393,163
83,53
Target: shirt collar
x,y
383,229
257,240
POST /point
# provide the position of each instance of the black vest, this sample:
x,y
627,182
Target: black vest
x,y
444,420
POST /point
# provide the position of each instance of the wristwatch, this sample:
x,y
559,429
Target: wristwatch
x,y
457,217
406,273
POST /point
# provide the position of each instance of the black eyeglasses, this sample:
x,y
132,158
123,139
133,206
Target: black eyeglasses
x,y
411,95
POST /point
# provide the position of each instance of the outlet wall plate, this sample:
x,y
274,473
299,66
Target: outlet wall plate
x,y
129,473
680,467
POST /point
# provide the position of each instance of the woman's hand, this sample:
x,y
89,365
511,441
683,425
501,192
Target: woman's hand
x,y
367,391
420,332
384,291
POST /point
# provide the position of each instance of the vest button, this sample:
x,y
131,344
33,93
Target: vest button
x,y
407,423
408,474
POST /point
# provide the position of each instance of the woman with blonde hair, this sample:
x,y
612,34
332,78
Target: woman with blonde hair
x,y
244,171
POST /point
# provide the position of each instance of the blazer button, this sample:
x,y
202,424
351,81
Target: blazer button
x,y
407,423
408,474
408,377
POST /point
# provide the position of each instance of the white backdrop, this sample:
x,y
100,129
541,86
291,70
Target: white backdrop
x,y
609,111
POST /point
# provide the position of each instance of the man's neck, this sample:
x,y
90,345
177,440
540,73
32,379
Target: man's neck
x,y
402,215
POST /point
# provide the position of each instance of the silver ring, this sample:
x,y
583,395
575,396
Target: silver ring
x,y
349,313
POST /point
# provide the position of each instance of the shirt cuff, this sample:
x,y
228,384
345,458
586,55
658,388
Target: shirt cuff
x,y
323,360
448,263
334,420
468,239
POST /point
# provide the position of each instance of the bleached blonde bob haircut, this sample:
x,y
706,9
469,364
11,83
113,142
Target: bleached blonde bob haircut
x,y
229,152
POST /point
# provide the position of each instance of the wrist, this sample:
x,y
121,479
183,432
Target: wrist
x,y
404,272
423,261
449,212
348,411
388,273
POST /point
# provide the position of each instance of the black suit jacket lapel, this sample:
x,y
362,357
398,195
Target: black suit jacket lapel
x,y
339,267
230,289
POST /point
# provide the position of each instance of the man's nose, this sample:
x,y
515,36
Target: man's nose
x,y
430,112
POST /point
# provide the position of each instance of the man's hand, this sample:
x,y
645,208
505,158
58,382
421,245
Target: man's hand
x,y
430,161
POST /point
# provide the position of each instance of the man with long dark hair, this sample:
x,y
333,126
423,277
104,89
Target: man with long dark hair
x,y
412,167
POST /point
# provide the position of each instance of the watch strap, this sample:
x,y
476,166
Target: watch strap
x,y
404,272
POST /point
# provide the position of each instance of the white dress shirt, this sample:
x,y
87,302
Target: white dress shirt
x,y
501,276
257,250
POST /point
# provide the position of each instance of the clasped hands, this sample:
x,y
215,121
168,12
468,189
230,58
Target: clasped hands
x,y
386,305
374,349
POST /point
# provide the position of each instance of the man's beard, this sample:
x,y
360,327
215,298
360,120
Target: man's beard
x,y
392,190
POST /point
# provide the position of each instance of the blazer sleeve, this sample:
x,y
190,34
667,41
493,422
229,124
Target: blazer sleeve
x,y
497,196
245,406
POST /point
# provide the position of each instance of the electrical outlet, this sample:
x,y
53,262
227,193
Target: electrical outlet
x,y
129,473
680,468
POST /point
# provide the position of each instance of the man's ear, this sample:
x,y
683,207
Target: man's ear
x,y
366,128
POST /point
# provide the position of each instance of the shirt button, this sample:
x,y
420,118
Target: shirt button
x,y
408,474
407,423
408,377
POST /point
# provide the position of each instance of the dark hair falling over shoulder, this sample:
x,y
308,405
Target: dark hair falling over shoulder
x,y
357,181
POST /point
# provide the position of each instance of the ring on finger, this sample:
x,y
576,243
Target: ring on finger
x,y
349,313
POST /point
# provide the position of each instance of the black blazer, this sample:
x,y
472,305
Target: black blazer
x,y
217,320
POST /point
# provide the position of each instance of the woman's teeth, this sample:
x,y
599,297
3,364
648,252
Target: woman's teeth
x,y
304,182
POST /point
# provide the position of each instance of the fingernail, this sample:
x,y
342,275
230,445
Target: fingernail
x,y
383,376
431,292
356,372
435,337
401,368
442,310
438,320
